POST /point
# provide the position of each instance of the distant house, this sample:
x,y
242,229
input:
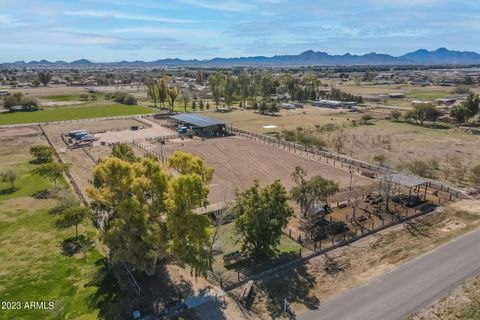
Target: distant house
x,y
332,104
445,102
4,93
396,95
287,106
417,102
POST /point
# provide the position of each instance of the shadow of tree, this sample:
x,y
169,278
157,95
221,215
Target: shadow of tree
x,y
8,191
108,292
213,310
293,285
73,245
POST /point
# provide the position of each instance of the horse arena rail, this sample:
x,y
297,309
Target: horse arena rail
x,y
331,158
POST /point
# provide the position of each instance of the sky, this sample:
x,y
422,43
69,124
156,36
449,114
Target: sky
x,y
116,30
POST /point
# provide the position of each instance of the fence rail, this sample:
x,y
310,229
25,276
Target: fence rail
x,y
80,120
335,159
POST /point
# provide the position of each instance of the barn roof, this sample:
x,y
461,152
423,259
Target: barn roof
x,y
197,120
407,181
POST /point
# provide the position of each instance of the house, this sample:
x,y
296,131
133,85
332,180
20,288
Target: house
x,y
445,102
417,102
396,95
4,93
287,106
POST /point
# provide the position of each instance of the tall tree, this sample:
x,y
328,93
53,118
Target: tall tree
x,y
172,94
185,100
229,90
146,214
44,77
42,153
152,91
215,82
260,216
162,90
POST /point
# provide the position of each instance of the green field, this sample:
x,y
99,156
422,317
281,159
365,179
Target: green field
x,y
34,266
71,97
72,113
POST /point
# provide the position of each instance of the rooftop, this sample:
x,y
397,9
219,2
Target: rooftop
x,y
197,120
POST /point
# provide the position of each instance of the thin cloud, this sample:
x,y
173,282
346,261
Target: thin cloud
x,y
123,16
232,6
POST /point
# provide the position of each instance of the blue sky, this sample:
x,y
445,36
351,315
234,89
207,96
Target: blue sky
x,y
115,30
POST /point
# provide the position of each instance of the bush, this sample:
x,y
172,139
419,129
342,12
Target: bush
x,y
124,98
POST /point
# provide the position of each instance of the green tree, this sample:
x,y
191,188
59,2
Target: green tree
x,y
215,82
42,153
52,171
152,91
186,163
123,151
44,77
471,105
162,90
395,115
185,100
172,95
229,89
9,176
146,214
459,113
73,217
260,216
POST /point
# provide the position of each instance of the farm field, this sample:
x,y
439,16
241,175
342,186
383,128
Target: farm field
x,y
238,162
427,93
34,267
285,120
73,113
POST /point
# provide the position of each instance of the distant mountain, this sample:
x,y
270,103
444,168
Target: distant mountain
x,y
440,56
81,62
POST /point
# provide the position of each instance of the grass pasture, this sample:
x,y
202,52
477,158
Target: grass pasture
x,y
35,264
73,113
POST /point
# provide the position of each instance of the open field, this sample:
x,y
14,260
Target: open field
x,y
238,161
330,275
73,113
427,93
34,267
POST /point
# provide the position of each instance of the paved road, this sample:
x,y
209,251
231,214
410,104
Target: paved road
x,y
413,285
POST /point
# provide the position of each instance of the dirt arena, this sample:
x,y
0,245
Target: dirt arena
x,y
238,161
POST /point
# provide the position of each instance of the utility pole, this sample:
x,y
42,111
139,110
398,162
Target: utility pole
x,y
350,187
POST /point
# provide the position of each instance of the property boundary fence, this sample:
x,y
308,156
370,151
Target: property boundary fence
x,y
81,120
331,158
70,177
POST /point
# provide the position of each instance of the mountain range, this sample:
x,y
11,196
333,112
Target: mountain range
x,y
440,56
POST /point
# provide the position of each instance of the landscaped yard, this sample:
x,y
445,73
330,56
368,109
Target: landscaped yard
x,y
73,113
